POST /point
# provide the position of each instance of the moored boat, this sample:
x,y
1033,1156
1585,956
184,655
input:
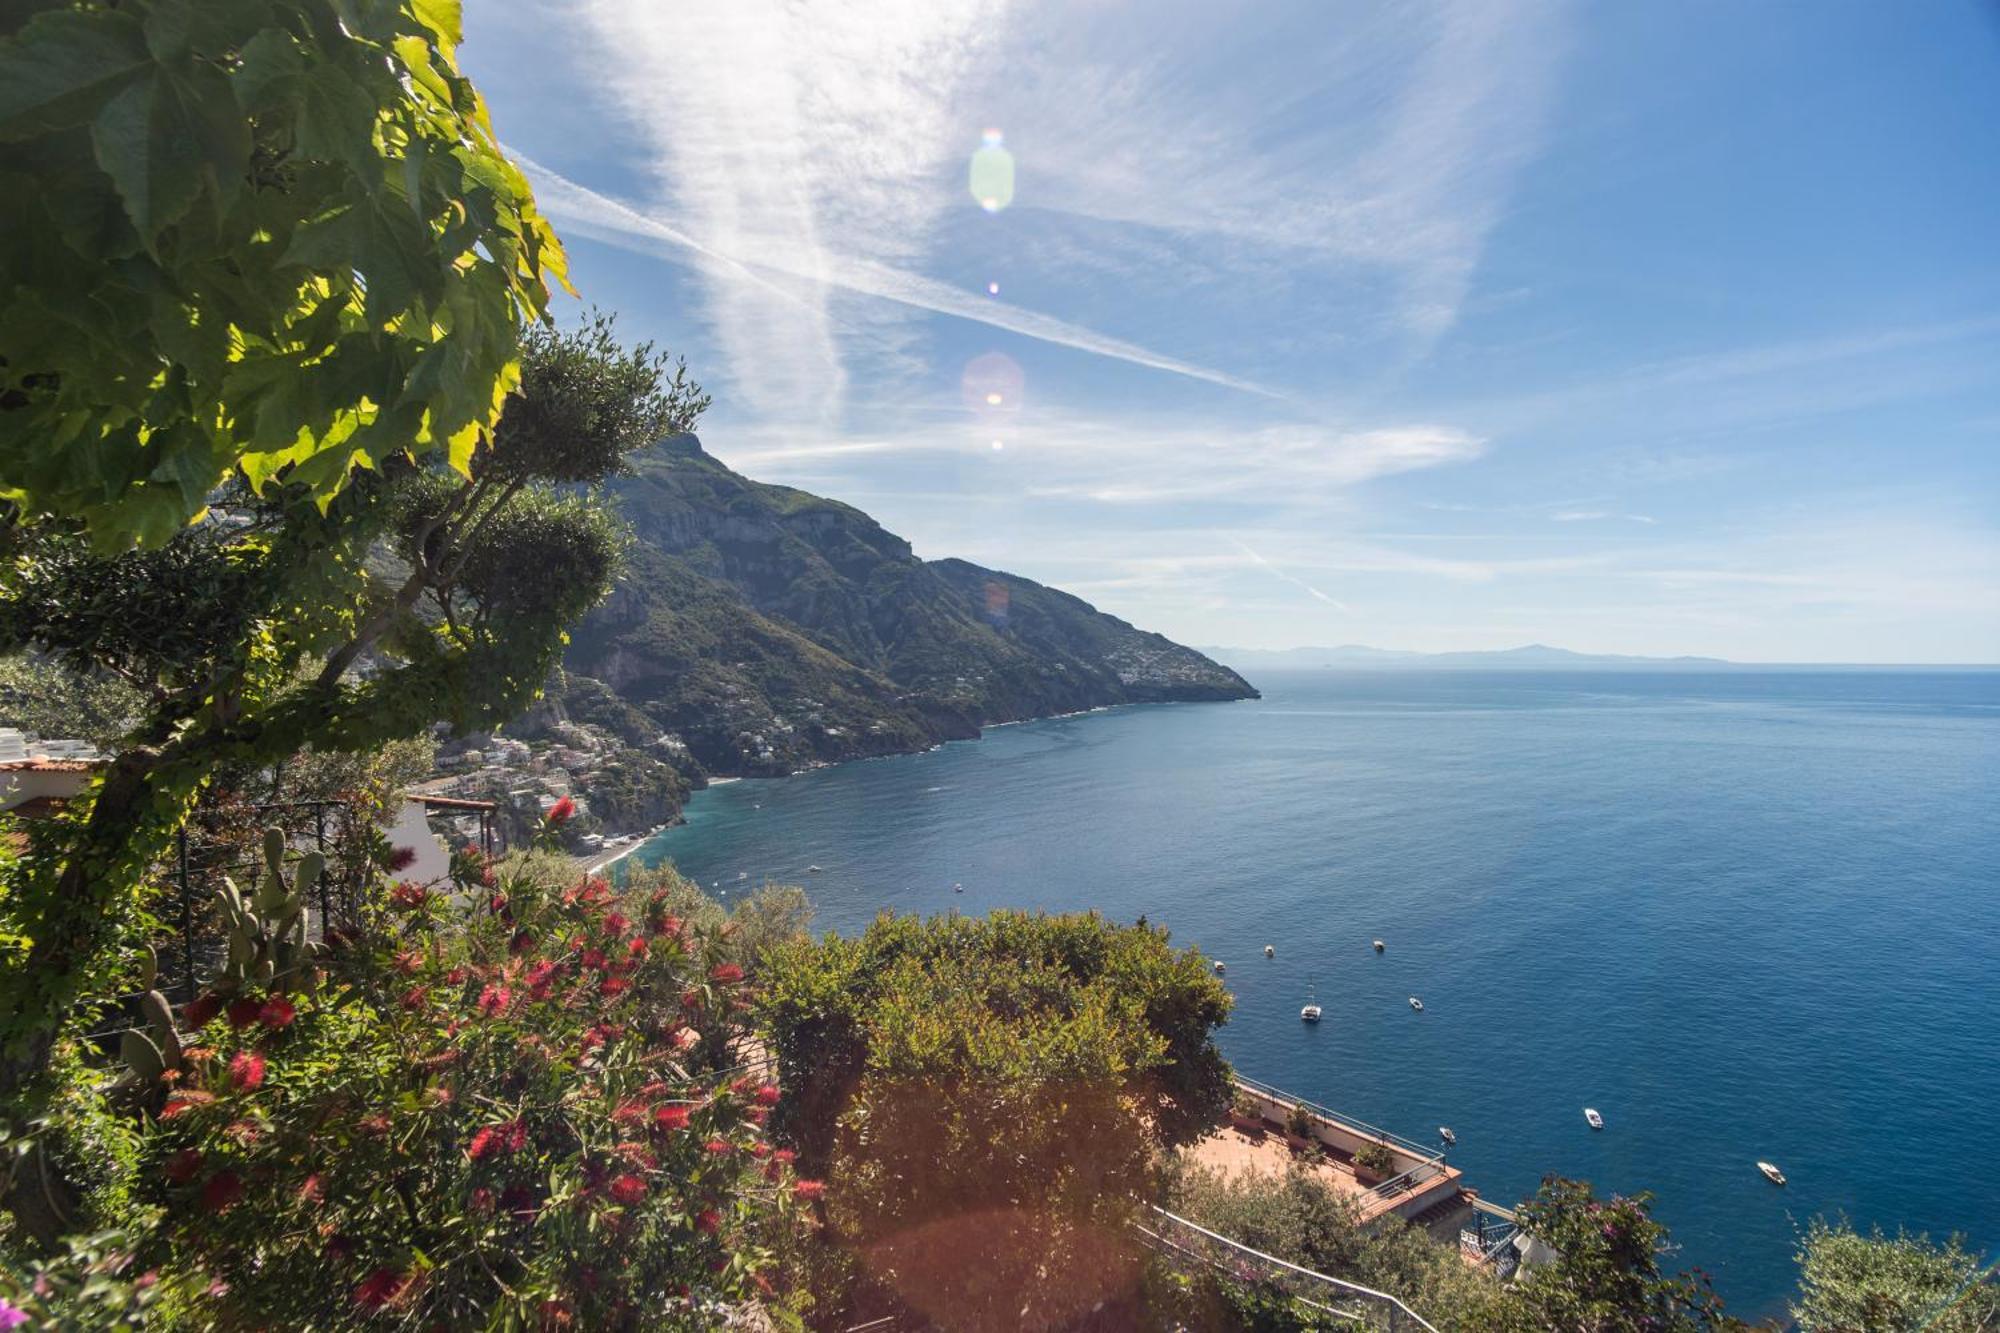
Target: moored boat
x,y
1771,1173
1309,1013
1416,1004
1444,1132
1590,1114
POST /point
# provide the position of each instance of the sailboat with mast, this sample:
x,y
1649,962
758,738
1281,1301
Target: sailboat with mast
x,y
1309,1013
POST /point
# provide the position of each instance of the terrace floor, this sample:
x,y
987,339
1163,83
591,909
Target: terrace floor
x,y
1229,1151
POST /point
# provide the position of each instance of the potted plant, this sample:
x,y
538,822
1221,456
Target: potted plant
x,y
1374,1163
1246,1112
1299,1129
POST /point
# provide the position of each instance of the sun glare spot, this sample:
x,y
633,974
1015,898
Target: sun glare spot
x,y
991,177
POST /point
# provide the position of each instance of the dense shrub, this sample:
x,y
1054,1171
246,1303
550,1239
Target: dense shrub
x,y
1851,1283
998,1088
503,1114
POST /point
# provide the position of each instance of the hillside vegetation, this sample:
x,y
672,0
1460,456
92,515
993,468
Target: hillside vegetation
x,y
767,629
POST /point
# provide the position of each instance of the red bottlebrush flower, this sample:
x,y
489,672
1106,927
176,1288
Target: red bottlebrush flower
x,y
409,896
636,947
200,1010
522,942
277,1012
497,904
409,962
615,924
246,1071
244,1132
243,1012
480,1201
223,1189
708,1220
629,1113
183,1166
758,1114
628,1189
414,997
725,974
809,1189
759,1149
767,1095
484,1143
379,1289
593,959
541,977
671,1117
718,1147
690,1000
185,1100
311,1189
494,1000
401,859
517,1135
561,812
615,986
785,1156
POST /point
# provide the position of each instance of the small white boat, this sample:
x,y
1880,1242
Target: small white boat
x,y
1379,946
1221,967
1416,1004
812,870
742,874
1310,1012
1595,1120
1444,1132
1270,952
1771,1173
958,888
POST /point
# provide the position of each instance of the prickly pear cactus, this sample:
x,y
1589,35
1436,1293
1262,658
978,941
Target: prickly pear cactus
x,y
268,948
151,1051
268,953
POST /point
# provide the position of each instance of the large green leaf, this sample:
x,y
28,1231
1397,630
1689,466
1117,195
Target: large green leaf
x,y
163,138
63,66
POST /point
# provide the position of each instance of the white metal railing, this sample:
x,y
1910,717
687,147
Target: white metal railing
x,y
1343,1300
1346,1122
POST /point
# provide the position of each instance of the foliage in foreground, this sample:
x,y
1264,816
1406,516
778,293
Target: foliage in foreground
x,y
998,1088
511,1113
1851,1283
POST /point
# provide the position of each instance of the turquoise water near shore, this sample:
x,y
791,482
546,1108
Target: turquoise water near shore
x,y
1752,914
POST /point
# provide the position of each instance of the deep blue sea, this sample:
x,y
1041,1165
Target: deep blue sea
x,y
1752,914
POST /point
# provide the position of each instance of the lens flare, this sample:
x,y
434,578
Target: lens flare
x,y
991,176
998,602
992,289
991,385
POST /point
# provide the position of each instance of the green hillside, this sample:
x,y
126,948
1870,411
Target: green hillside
x,y
765,628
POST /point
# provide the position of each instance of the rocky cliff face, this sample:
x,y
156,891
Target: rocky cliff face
x,y
762,628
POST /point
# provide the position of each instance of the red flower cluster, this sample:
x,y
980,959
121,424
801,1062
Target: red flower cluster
x,y
409,896
809,1189
277,1012
671,1118
494,1000
401,859
561,812
246,1071
628,1189
200,1010
380,1289
725,974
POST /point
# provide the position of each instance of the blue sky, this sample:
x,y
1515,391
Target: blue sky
x,y
1664,328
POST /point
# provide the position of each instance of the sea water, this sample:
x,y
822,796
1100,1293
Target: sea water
x,y
1746,915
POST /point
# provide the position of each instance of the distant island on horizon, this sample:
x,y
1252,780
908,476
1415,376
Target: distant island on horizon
x,y
1528,657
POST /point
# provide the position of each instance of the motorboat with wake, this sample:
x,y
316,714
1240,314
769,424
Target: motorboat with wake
x,y
1771,1173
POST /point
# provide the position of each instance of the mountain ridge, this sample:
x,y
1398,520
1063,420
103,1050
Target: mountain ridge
x,y
761,629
